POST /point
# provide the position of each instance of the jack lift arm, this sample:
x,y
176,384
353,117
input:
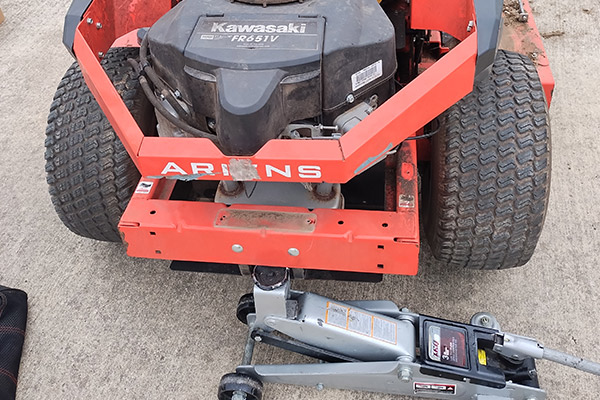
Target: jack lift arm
x,y
376,347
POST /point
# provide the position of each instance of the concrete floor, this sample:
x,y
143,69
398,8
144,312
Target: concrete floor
x,y
104,326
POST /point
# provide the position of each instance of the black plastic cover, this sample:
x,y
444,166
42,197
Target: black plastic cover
x,y
72,19
13,320
449,350
254,70
489,24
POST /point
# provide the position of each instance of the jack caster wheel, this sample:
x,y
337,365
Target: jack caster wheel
x,y
245,306
240,387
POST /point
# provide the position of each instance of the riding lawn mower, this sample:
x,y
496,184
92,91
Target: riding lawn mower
x,y
317,139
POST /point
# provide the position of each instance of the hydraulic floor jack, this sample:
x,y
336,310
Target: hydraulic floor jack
x,y
374,346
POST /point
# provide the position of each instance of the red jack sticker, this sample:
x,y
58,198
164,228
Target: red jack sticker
x,y
434,388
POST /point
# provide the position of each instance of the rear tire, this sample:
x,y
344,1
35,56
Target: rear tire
x,y
490,171
90,175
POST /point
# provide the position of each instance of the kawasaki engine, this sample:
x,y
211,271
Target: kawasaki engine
x,y
247,73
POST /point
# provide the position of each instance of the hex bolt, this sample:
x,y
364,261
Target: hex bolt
x,y
523,16
89,21
98,25
237,248
470,26
320,386
100,54
350,98
485,321
406,374
292,251
532,373
258,339
237,395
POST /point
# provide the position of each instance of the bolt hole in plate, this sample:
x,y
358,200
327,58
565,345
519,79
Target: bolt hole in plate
x,y
385,225
380,246
340,222
153,212
152,233
380,266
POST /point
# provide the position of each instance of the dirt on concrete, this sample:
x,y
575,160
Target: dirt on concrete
x,y
516,33
511,10
552,34
105,326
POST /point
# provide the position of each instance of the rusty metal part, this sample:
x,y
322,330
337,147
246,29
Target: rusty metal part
x,y
390,182
231,188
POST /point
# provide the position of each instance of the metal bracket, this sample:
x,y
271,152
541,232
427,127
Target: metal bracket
x,y
391,377
523,15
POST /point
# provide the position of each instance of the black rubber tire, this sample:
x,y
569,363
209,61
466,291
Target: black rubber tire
x,y
490,171
245,306
231,383
90,175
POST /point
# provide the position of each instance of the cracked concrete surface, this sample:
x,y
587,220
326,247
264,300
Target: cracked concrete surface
x,y
104,326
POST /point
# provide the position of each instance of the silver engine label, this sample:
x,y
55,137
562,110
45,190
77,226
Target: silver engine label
x,y
249,33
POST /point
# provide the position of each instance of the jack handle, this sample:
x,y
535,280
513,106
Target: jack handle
x,y
519,347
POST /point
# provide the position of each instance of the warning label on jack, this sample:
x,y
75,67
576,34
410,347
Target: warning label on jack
x,y
361,322
337,315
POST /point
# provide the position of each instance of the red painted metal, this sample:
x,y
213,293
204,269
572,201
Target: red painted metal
x,y
342,240
128,40
450,16
187,231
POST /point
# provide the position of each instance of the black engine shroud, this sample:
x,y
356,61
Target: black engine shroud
x,y
254,70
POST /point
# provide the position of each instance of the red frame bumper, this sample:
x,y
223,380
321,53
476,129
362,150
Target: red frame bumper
x,y
343,240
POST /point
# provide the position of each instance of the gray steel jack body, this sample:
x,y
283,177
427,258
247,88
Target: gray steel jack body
x,y
376,347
